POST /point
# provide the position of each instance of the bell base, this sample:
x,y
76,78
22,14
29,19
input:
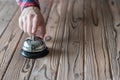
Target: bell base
x,y
35,54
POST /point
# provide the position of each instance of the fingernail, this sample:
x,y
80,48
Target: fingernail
x,y
42,36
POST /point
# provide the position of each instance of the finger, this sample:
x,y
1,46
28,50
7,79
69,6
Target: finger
x,y
34,27
24,24
20,24
29,25
42,31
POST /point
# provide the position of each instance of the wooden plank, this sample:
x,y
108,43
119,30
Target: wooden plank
x,y
47,68
9,41
100,50
19,67
111,41
117,3
45,6
6,14
90,64
71,58
100,47
116,18
97,64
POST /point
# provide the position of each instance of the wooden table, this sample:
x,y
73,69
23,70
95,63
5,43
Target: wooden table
x,y
84,44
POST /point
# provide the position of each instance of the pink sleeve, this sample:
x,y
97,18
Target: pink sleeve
x,y
27,3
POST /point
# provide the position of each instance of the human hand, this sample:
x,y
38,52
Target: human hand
x,y
31,21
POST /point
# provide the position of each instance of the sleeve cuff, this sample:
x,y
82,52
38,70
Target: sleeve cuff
x,y
29,5
23,4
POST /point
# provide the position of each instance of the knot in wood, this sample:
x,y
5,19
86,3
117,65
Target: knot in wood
x,y
47,38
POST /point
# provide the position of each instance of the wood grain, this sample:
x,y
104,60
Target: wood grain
x,y
111,41
6,13
45,6
116,20
9,41
20,67
71,58
83,37
90,65
101,45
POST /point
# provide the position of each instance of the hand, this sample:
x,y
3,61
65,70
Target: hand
x,y
31,21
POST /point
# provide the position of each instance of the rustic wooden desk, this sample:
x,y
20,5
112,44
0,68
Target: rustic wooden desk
x,y
84,44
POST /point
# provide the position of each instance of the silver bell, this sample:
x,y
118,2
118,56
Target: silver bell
x,y
34,47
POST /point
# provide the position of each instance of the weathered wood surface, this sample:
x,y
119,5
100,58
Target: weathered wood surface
x,y
84,44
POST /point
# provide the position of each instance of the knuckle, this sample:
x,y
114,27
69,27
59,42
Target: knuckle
x,y
19,19
29,15
34,28
28,31
24,18
35,16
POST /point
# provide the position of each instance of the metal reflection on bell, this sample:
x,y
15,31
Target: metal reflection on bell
x,y
34,47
